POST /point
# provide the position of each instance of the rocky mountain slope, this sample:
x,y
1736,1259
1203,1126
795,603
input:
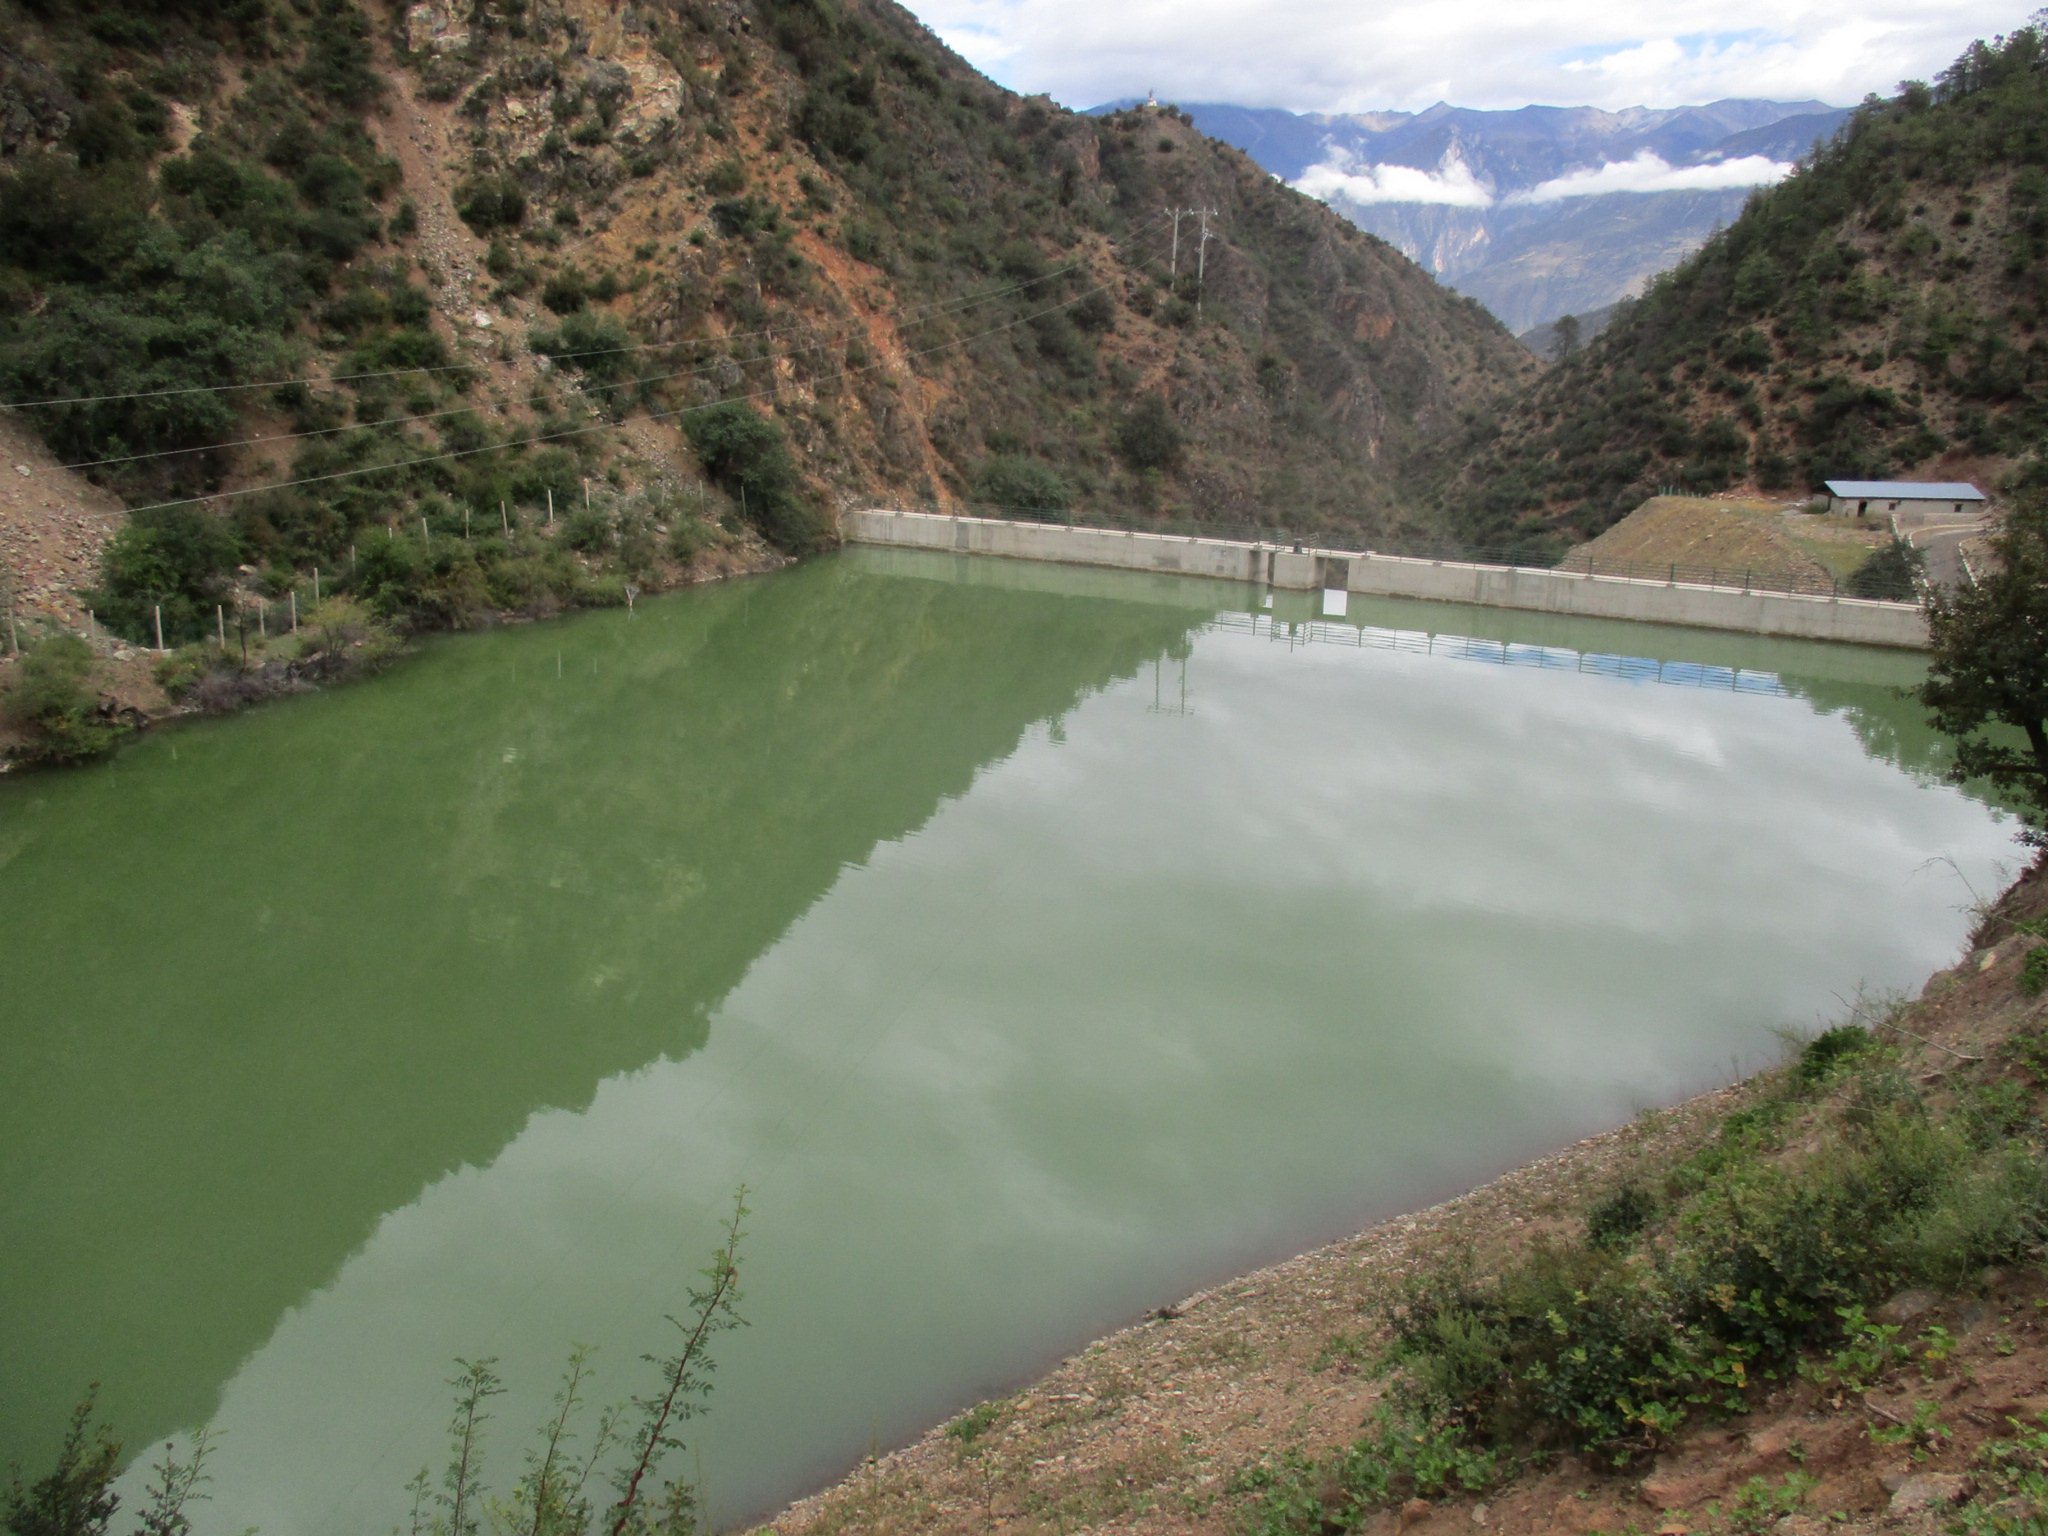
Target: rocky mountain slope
x,y
1878,315
517,251
1541,211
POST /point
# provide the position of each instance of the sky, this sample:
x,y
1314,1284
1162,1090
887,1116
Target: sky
x,y
1341,56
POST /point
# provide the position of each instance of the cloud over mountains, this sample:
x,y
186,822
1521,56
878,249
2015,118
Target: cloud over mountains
x,y
1344,175
1647,171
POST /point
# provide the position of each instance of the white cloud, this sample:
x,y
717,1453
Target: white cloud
x,y
1342,175
1648,172
1339,56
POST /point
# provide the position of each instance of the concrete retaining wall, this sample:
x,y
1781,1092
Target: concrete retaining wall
x,y
1064,545
1611,597
1605,597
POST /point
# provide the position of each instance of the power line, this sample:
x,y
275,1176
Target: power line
x,y
915,316
392,373
609,426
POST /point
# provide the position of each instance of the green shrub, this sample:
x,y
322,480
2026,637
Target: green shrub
x,y
1829,1052
1095,313
1403,1455
565,292
1016,483
179,559
594,343
54,701
490,200
1993,1212
1617,1217
587,531
1148,437
2034,971
688,537
1409,1456
745,455
975,1422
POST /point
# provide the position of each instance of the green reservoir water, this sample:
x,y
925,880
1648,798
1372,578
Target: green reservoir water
x,y
1038,945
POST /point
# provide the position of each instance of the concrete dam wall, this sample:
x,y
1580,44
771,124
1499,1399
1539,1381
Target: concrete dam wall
x,y
1852,620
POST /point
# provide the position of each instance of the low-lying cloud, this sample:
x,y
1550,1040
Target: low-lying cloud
x,y
1343,175
1650,172
1453,185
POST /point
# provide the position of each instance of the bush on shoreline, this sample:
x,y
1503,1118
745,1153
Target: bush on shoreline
x,y
1840,1181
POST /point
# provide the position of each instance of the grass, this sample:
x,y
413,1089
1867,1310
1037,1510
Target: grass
x,y
1842,558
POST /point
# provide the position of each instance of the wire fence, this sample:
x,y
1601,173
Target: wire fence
x,y
1578,562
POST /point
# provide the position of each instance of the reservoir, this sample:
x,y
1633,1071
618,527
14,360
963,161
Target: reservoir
x,y
1037,946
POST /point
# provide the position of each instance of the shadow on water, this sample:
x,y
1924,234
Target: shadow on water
x,y
272,976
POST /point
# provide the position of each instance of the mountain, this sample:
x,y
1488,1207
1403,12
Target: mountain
x,y
521,250
1879,314
1541,211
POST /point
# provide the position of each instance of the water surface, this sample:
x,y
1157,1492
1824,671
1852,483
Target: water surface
x,y
1037,944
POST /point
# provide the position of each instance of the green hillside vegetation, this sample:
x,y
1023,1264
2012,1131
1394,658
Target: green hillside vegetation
x,y
920,287
1878,310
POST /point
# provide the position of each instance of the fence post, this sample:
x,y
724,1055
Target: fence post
x,y
159,626
220,626
551,506
505,520
316,583
295,610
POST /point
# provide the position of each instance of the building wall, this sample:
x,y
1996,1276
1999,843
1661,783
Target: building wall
x,y
1909,511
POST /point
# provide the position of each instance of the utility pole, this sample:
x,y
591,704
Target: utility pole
x,y
1202,254
1177,214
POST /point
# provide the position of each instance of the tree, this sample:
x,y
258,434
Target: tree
x,y
177,558
1564,333
1988,676
1148,437
1891,573
745,454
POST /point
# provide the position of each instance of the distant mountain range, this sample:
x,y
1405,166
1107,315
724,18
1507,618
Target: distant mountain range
x,y
1875,318
1541,211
